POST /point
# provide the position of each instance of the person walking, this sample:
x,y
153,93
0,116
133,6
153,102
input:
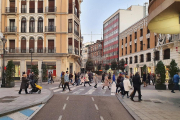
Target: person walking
x,y
114,78
95,79
109,78
49,78
152,78
106,82
86,79
149,79
122,85
90,76
62,80
71,79
127,86
66,81
82,79
52,78
137,86
175,81
24,84
118,83
144,79
103,76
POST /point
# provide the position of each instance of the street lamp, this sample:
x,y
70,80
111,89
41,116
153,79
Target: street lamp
x,y
31,51
4,42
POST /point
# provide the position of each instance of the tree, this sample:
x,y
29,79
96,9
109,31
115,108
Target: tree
x,y
36,71
173,70
160,70
144,68
106,67
99,67
121,64
89,65
44,73
113,65
10,70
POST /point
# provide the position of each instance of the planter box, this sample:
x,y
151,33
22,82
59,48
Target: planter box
x,y
160,87
10,85
171,86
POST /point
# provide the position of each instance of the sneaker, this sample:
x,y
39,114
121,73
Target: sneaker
x,y
172,92
140,100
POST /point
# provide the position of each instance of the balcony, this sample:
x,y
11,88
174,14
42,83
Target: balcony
x,y
50,9
50,28
31,10
31,29
40,29
76,51
70,51
11,30
40,10
23,10
11,10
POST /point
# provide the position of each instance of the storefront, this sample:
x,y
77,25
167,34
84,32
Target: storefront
x,y
17,70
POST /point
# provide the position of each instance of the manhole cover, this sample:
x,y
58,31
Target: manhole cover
x,y
146,100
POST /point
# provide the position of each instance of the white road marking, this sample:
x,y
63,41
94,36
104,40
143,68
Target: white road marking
x,y
64,107
54,88
77,92
60,117
96,107
92,99
57,90
101,118
67,98
90,91
29,118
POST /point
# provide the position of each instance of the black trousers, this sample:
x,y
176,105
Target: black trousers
x,y
139,92
21,90
66,84
117,89
126,92
175,86
86,83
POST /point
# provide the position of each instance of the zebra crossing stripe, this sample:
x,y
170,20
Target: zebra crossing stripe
x,y
57,90
54,88
113,89
77,92
90,91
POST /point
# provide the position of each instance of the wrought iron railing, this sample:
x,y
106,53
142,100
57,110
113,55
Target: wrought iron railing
x,y
11,9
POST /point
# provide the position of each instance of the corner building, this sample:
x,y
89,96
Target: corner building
x,y
115,24
139,47
49,29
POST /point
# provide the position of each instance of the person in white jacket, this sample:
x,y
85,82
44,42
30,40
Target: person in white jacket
x,y
127,86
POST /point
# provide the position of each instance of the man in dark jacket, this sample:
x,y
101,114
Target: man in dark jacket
x,y
144,79
137,86
103,76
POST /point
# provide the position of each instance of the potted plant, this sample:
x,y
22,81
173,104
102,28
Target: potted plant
x,y
10,70
160,71
172,71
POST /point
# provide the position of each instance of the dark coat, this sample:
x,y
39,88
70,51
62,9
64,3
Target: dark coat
x,y
24,83
103,76
118,81
62,79
136,81
144,77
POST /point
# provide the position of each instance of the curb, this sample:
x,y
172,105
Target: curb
x,y
130,111
27,106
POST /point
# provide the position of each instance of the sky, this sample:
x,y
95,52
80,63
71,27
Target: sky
x,y
95,12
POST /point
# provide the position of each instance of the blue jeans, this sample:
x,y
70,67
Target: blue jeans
x,y
49,81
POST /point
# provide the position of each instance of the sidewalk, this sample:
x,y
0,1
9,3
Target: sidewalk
x,y
11,101
156,104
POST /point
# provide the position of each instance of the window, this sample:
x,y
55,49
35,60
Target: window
x,y
130,62
31,25
70,6
70,26
126,50
23,25
12,6
141,43
31,6
135,47
23,45
155,39
40,25
130,48
23,6
51,27
136,59
40,45
126,60
40,6
126,39
122,41
148,57
166,54
12,27
122,51
135,35
51,7
130,37
76,28
50,46
156,55
148,31
148,43
141,32
11,46
141,58
76,8
31,45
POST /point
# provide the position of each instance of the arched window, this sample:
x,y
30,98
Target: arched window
x,y
167,54
23,45
40,45
23,25
40,25
31,44
32,25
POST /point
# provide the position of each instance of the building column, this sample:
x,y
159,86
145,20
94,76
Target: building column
x,y
161,54
36,6
27,3
35,50
36,21
58,68
40,71
27,46
22,67
27,24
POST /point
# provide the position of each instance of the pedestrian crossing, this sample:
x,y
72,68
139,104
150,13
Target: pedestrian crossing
x,y
88,90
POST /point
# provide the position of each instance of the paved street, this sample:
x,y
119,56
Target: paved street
x,y
83,103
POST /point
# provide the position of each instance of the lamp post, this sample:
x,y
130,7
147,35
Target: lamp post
x,y
3,79
31,51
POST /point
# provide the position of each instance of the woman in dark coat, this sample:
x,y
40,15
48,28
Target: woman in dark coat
x,y
62,80
24,84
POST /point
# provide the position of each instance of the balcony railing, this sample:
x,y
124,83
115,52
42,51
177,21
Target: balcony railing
x,y
40,10
40,29
50,28
23,10
70,51
76,32
11,29
76,51
11,10
50,9
31,10
69,30
31,29
33,50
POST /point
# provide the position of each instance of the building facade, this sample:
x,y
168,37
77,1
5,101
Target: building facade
x,y
49,29
139,47
115,24
96,53
1,44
